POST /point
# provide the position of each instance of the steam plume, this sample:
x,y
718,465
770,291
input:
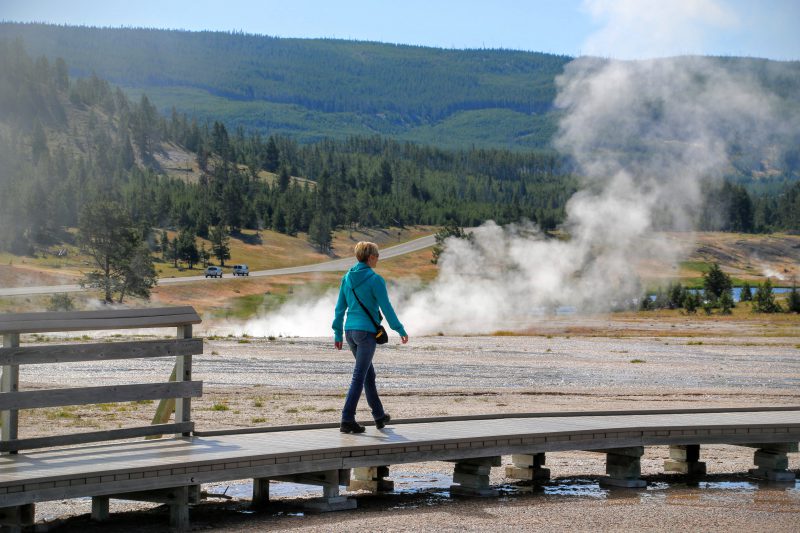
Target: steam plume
x,y
645,136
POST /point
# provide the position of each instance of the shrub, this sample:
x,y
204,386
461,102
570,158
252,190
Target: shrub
x,y
764,300
690,303
61,302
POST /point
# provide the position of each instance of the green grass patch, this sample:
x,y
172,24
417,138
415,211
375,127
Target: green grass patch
x,y
694,343
638,361
220,407
66,413
696,266
258,402
258,420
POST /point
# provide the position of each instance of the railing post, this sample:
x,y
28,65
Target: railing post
x,y
10,383
183,372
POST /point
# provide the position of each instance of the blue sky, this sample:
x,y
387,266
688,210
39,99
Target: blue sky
x,y
612,28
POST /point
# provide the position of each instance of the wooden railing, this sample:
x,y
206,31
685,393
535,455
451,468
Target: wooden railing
x,y
178,391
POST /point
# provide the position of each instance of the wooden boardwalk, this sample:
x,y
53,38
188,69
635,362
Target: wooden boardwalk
x,y
104,469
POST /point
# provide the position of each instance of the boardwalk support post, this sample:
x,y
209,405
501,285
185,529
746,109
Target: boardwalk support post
x,y
624,468
772,461
329,480
372,479
177,498
14,519
179,509
528,468
260,492
100,506
472,476
685,459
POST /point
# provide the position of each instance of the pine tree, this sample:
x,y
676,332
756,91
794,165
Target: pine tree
x,y
283,180
764,299
272,161
187,248
319,232
716,282
39,143
690,303
204,255
107,234
676,295
793,301
174,252
164,244
726,303
220,244
139,274
746,293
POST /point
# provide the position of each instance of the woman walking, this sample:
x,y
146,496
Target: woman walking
x,y
363,295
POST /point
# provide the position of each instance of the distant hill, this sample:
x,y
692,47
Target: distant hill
x,y
313,88
67,142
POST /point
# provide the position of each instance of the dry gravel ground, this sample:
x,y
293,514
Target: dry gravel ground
x,y
623,362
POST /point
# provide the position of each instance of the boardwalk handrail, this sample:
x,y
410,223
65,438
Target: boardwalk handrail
x,y
179,390
53,322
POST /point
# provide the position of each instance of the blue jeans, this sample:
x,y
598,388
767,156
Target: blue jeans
x,y
362,344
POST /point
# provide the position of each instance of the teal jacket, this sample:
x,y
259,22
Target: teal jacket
x,y
371,291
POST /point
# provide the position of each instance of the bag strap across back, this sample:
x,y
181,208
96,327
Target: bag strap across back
x,y
376,324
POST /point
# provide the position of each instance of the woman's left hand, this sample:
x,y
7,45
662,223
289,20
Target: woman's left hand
x,y
337,344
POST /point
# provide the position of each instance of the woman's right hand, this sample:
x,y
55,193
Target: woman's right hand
x,y
337,345
404,339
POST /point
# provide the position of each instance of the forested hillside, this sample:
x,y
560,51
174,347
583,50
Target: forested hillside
x,y
68,143
313,88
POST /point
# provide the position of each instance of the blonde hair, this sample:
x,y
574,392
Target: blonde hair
x,y
364,249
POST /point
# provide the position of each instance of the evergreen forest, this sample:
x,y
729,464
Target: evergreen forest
x,y
68,142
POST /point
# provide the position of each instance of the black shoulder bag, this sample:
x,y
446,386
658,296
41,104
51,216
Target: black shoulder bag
x,y
381,337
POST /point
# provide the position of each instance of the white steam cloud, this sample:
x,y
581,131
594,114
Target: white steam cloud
x,y
645,136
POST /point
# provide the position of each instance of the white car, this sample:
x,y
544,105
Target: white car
x,y
213,272
241,270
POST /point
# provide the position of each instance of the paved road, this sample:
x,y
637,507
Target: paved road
x,y
339,265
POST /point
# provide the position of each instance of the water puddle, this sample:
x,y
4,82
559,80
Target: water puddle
x,y
583,488
244,490
411,483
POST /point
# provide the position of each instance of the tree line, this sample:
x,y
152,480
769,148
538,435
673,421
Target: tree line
x,y
717,296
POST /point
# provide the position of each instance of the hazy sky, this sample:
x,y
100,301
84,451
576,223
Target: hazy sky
x,y
614,28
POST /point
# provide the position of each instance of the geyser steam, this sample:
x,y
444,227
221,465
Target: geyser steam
x,y
645,136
